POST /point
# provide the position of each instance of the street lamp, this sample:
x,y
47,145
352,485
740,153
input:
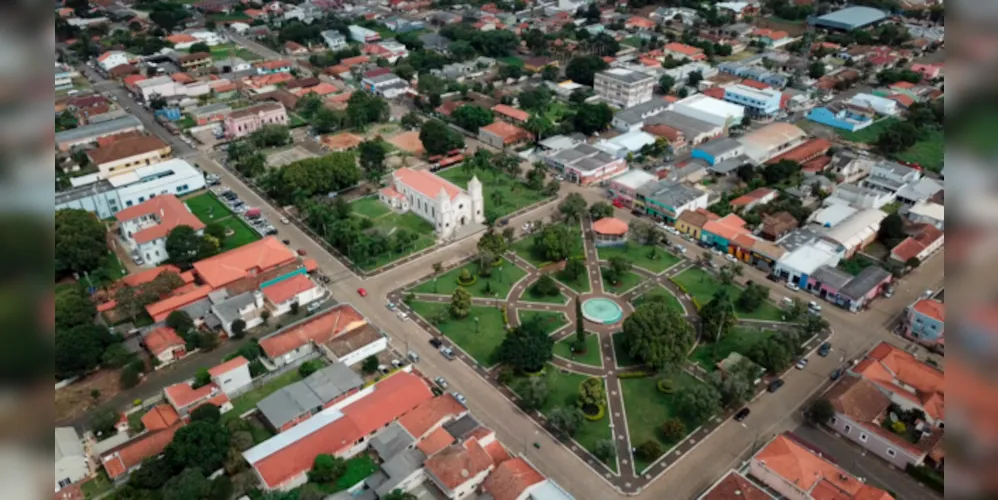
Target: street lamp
x,y
476,324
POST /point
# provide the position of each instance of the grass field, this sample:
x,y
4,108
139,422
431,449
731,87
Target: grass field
x,y
739,339
563,348
624,359
248,401
525,249
671,300
641,256
627,281
928,153
869,134
647,409
480,344
357,469
564,391
208,209
702,286
550,321
389,222
512,61
531,295
513,196
500,282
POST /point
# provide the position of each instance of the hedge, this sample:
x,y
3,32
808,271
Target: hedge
x,y
634,374
598,416
926,476
472,282
666,386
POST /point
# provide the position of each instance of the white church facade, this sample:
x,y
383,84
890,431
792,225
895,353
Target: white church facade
x,y
433,198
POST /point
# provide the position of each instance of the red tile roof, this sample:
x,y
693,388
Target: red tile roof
x,y
183,395
455,465
75,490
893,369
285,290
802,467
160,417
508,132
511,112
170,211
734,486
931,308
257,257
126,148
228,366
377,72
353,61
755,84
449,107
727,227
752,196
319,329
435,441
427,183
806,151
715,92
162,339
611,226
391,398
902,99
119,461
430,414
497,451
160,310
277,64
511,479
907,249
684,49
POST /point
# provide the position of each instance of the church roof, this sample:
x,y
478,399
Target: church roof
x,y
426,183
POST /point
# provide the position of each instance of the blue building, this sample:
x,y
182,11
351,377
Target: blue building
x,y
926,321
172,114
718,150
841,116
757,102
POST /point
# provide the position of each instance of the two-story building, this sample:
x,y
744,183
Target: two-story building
x,y
585,164
387,85
125,155
665,200
144,227
758,103
243,122
272,67
925,321
334,40
195,61
624,188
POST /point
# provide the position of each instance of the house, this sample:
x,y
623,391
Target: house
x,y
459,468
800,263
683,51
232,377
501,135
111,59
919,191
164,344
387,85
121,460
889,377
299,340
624,188
890,176
772,38
638,22
928,71
440,202
923,242
691,222
511,114
758,103
734,485
282,462
624,88
925,321
754,198
928,212
246,307
272,67
128,154
842,115
771,140
296,403
516,479
633,118
71,462
144,227
866,286
295,49
195,61
245,268
775,226
793,469
666,200
243,122
585,164
882,105
692,130
334,40
185,398
295,288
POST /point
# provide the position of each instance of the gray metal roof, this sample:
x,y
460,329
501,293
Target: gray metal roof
x,y
199,309
462,427
834,278
316,390
637,114
84,191
333,381
851,17
399,468
718,147
691,127
210,109
67,443
867,279
391,441
730,165
228,310
669,193
97,129
800,237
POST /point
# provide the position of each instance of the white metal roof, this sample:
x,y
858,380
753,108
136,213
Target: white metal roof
x,y
292,435
634,179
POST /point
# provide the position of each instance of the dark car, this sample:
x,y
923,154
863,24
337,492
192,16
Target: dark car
x,y
775,385
435,342
824,349
836,374
773,277
744,412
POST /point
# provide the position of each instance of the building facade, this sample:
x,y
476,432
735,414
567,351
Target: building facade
x,y
245,121
443,204
759,103
624,88
144,227
105,197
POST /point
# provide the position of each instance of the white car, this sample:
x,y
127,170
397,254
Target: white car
x,y
284,220
801,364
793,286
730,257
403,316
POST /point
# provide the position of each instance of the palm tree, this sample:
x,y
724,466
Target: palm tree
x,y
538,125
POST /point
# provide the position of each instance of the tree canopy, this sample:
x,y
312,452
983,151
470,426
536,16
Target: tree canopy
x,y
185,246
471,117
526,348
718,316
364,108
657,335
438,138
592,118
698,402
554,242
573,208
80,241
200,444
312,176
583,69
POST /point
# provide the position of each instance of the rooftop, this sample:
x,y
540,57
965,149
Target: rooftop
x,y
391,441
507,131
457,464
319,328
734,486
931,308
249,259
94,130
430,414
610,226
511,112
118,461
851,18
126,148
867,280
160,417
427,183
634,179
168,212
624,76
162,339
287,289
511,479
228,366
898,371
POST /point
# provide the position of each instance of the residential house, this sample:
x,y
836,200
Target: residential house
x,y
164,344
185,398
71,462
294,288
842,115
301,339
626,145
295,49
826,281
511,114
502,135
387,85
144,227
923,241
754,198
232,377
890,176
624,188
585,164
272,67
775,226
192,62
772,38
928,212
243,122
734,485
882,105
128,154
919,191
121,460
296,403
111,59
537,64
665,200
334,40
459,469
363,35
925,321
691,222
683,51
87,134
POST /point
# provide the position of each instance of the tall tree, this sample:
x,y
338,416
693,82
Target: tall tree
x,y
80,242
592,118
718,316
184,246
580,327
698,402
534,393
72,309
592,392
554,242
657,335
187,485
583,69
79,349
471,117
438,138
200,444
460,303
573,208
566,419
372,159
526,348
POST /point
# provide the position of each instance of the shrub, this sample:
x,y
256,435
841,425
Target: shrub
x,y
137,402
899,427
465,278
649,450
634,374
309,367
673,429
594,417
667,386
926,476
370,364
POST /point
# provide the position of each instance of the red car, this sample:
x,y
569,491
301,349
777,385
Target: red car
x,y
617,203
362,292
302,252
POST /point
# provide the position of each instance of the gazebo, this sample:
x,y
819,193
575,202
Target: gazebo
x,y
609,231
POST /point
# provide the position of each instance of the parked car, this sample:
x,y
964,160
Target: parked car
x,y
413,356
824,349
774,385
447,352
459,397
436,342
383,369
744,412
441,382
814,306
396,363
801,364
836,374
390,306
792,286
314,306
402,315
284,220
889,292
362,292
730,257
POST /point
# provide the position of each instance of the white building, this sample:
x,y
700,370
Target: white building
x,y
440,202
881,105
362,34
64,75
209,37
334,40
294,289
928,212
861,197
144,227
105,197
797,265
111,59
164,86
710,110
624,144
232,377
624,88
71,464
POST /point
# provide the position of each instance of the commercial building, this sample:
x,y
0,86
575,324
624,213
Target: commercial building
x,y
708,109
585,164
125,155
694,130
758,103
866,286
843,116
624,88
799,264
144,227
624,188
334,40
86,134
433,198
71,462
881,105
105,197
925,321
928,212
857,230
216,112
245,121
691,222
501,135
771,140
362,34
665,200
850,18
718,150
633,118
192,62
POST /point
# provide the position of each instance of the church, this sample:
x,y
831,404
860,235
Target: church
x,y
440,202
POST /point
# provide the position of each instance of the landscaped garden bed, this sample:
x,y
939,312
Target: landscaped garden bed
x,y
502,276
650,258
479,340
702,286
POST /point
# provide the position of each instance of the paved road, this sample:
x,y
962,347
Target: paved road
x,y
877,472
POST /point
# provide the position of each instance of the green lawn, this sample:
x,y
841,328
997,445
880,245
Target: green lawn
x,y
480,345
531,295
563,348
580,285
633,41
389,222
702,285
869,134
358,468
928,153
739,339
647,257
209,209
242,235
551,321
557,111
624,360
185,122
497,284
514,194
512,61
525,249
248,401
296,121
647,409
94,487
628,281
658,291
564,391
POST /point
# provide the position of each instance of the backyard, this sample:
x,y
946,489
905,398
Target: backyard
x,y
702,286
564,392
739,339
647,408
357,469
647,257
479,339
513,194
670,299
591,357
248,401
389,222
557,111
498,284
208,209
